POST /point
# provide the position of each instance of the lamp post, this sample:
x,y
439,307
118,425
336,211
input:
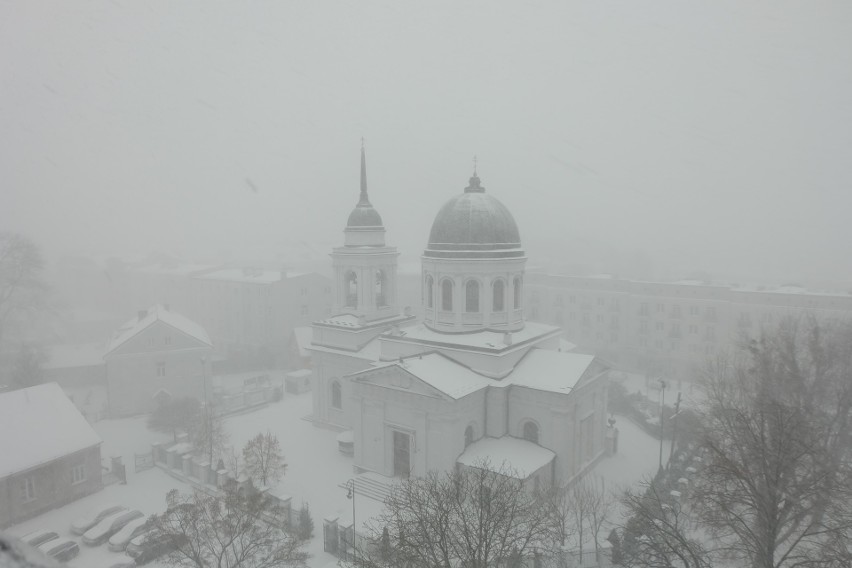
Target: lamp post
x,y
662,406
350,494
674,429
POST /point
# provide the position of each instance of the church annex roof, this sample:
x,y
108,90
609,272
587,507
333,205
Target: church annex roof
x,y
474,225
520,457
442,373
552,371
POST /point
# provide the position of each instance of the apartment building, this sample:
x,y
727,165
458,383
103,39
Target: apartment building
x,y
666,328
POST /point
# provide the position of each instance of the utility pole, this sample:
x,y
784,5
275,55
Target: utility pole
x,y
351,495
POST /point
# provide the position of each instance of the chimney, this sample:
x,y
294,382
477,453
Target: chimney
x,y
142,314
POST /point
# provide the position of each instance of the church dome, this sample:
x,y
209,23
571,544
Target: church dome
x,y
474,225
364,216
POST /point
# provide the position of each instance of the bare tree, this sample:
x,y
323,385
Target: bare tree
x,y
27,370
577,512
476,517
21,286
661,532
208,435
235,530
263,459
176,415
776,487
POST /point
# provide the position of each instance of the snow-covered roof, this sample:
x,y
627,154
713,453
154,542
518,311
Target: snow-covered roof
x,y
482,340
154,314
40,424
248,275
370,351
552,371
507,454
444,374
303,336
175,270
65,356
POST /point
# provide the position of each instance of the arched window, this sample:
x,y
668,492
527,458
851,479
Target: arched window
x,y
351,290
336,395
517,292
499,296
468,436
471,302
447,295
430,295
381,299
531,432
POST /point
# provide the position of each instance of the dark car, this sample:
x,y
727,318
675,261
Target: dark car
x,y
62,550
150,546
37,538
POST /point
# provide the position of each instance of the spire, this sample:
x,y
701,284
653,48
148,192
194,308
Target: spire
x,y
364,200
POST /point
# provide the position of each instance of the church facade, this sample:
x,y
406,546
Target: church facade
x,y
472,383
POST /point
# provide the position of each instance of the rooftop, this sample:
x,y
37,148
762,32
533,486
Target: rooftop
x,y
493,341
53,426
152,315
507,454
248,275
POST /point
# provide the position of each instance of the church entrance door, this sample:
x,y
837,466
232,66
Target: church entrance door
x,y
401,454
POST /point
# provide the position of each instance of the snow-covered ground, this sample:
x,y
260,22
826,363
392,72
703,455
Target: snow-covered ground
x,y
315,471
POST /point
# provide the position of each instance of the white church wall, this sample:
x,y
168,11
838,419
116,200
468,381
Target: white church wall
x,y
328,368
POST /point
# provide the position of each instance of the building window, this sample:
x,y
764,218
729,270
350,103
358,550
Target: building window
x,y
499,296
600,301
531,432
447,295
78,474
28,489
471,302
304,291
660,326
167,340
336,395
693,310
468,436
661,308
430,295
693,329
381,285
517,293
161,368
351,288
643,309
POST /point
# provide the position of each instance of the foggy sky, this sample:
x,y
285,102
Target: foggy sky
x,y
712,135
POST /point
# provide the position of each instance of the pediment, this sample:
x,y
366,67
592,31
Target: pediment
x,y
396,378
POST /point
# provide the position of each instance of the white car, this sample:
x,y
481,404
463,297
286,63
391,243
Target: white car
x,y
93,517
131,530
108,526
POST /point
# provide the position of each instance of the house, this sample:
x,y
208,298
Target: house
x,y
155,356
49,454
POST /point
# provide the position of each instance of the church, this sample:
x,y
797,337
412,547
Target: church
x,y
473,382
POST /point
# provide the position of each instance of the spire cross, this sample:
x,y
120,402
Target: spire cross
x,y
362,142
474,164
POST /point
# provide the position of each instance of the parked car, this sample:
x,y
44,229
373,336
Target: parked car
x,y
93,517
131,530
61,550
149,546
108,526
37,538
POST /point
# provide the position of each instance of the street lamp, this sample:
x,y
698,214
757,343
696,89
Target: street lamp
x,y
662,406
350,494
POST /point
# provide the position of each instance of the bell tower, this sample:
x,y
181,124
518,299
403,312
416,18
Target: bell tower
x,y
365,269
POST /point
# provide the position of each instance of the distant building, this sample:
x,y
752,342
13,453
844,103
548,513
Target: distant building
x,y
74,365
252,312
473,379
49,454
670,329
157,355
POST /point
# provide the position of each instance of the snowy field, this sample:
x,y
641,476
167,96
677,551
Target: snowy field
x,y
315,471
